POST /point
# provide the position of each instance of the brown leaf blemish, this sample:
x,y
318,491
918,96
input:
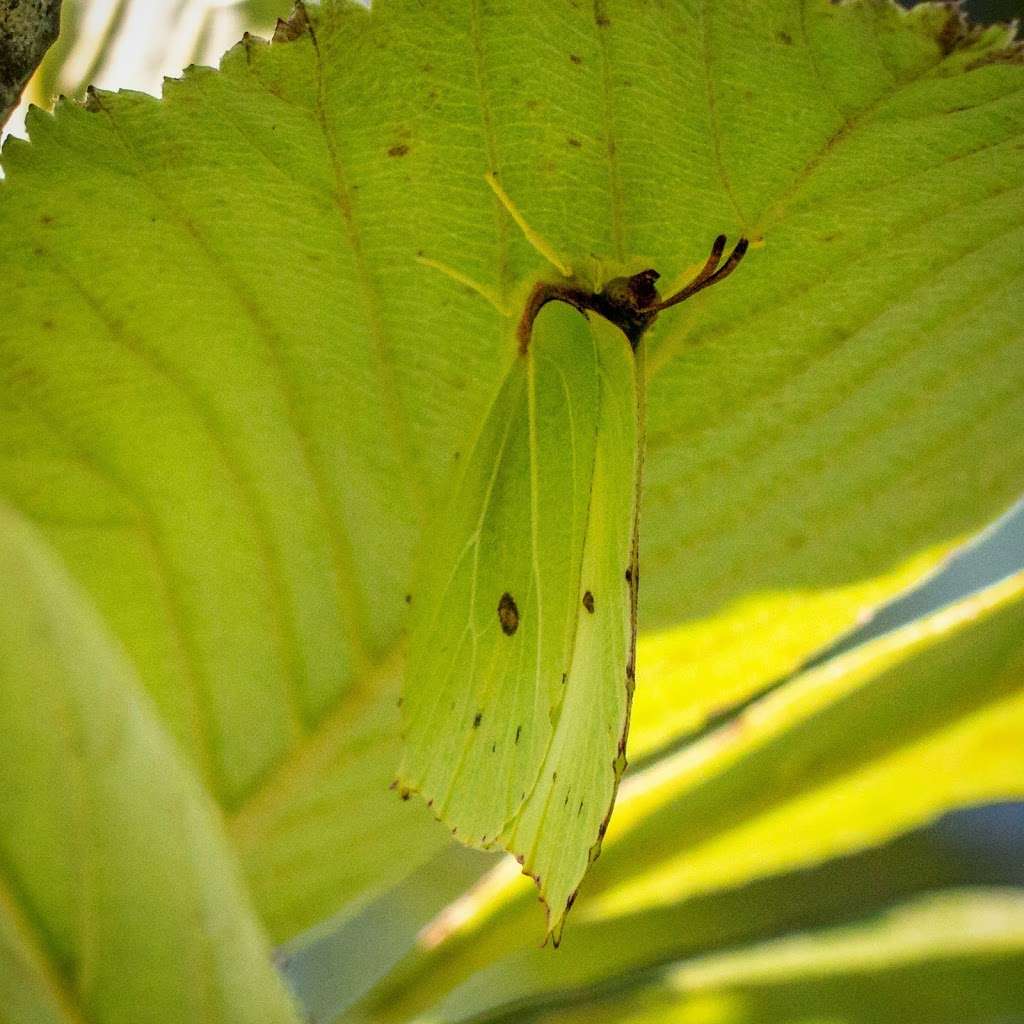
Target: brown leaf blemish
x,y
588,602
477,719
400,149
519,730
290,30
508,614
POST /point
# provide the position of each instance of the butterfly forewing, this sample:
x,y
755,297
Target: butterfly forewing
x,y
497,602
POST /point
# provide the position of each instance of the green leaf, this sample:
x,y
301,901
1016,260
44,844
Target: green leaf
x,y
520,661
875,743
119,897
953,957
231,397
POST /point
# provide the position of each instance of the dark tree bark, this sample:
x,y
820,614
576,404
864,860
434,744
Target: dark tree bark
x,y
28,29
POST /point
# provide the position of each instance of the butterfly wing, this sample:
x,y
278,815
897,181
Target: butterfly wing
x,y
558,830
519,674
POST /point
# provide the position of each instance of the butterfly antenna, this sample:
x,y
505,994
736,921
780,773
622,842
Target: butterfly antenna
x,y
529,234
710,274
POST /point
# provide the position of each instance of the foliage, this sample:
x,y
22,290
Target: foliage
x,y
230,397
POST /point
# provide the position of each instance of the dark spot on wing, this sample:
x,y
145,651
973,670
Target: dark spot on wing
x,y
588,602
400,149
477,719
508,614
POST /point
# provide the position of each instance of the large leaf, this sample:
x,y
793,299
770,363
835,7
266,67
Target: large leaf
x,y
230,395
870,745
119,897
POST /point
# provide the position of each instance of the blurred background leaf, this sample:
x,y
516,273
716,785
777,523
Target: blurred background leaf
x,y
120,899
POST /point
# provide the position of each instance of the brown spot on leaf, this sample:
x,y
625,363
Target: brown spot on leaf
x,y
575,58
408,598
477,719
785,38
399,149
508,614
952,33
287,31
588,602
519,730
574,142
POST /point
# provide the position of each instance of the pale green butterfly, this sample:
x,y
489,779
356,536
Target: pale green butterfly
x,y
521,656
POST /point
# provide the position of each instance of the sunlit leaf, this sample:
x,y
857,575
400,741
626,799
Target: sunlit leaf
x,y
955,957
